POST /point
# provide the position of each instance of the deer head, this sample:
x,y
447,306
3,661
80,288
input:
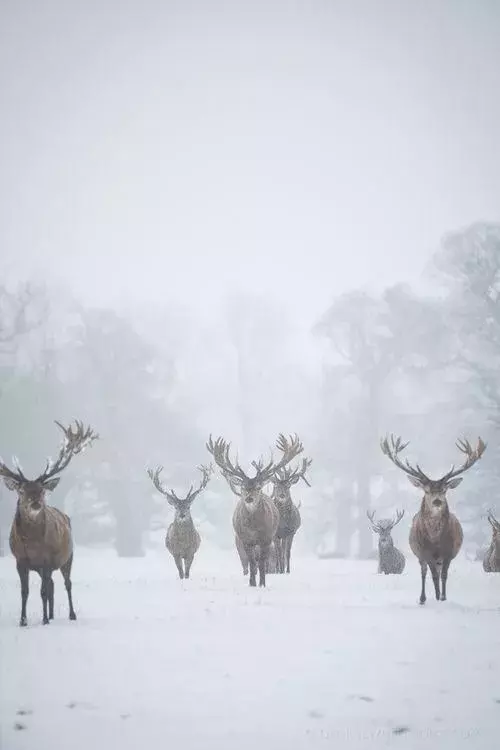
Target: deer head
x,y
182,505
434,489
31,492
384,527
284,479
250,488
495,525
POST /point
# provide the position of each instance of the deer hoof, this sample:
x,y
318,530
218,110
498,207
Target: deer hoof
x,y
72,616
23,622
443,598
46,621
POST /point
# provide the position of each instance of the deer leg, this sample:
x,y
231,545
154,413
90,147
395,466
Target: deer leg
x,y
178,563
423,570
51,598
264,557
435,571
188,561
288,547
45,590
280,562
252,564
444,578
24,576
66,573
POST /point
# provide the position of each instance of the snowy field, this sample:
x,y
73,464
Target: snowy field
x,y
332,656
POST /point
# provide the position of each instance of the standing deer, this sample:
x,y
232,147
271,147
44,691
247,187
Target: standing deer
x,y
390,559
491,560
255,518
436,535
289,514
182,539
41,538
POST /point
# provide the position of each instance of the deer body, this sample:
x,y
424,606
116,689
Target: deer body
x,y
255,518
183,542
391,560
41,538
289,513
436,534
182,539
491,560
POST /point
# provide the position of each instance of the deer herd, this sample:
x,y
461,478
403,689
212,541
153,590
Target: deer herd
x,y
264,524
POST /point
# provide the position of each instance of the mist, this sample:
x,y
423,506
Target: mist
x,y
240,220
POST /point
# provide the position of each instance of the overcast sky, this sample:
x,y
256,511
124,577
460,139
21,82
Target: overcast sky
x,y
175,150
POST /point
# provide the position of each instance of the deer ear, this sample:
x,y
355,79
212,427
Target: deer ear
x,y
51,484
11,484
415,482
454,483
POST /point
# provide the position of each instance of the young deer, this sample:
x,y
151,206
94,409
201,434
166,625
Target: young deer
x,y
436,535
289,514
41,537
390,559
255,518
182,539
491,560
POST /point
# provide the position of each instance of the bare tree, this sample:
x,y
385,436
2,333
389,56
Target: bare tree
x,y
390,559
491,560
436,535
41,537
182,539
289,514
255,518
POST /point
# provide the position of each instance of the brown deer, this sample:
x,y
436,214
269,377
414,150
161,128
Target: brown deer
x,y
491,560
391,560
255,518
182,539
289,514
41,538
436,535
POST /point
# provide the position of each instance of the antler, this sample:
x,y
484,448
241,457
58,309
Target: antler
x,y
392,452
220,452
292,476
472,454
170,494
493,521
16,476
206,474
384,524
72,444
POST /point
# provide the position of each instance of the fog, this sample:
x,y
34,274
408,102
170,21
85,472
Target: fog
x,y
215,206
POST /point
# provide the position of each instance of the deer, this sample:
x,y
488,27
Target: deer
x,y
41,538
436,534
289,513
491,560
391,560
182,539
255,518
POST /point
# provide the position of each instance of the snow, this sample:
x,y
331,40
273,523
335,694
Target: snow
x,y
332,656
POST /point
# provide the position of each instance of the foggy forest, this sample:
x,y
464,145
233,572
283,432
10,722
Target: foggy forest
x,y
251,248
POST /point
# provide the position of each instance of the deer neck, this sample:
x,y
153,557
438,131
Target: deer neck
x,y
186,522
434,523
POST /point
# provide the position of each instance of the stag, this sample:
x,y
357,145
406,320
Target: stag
x,y
390,559
289,514
436,535
41,537
491,560
255,518
182,539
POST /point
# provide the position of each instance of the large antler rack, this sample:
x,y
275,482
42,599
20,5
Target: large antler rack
x,y
292,476
472,456
74,442
170,494
385,524
493,521
392,451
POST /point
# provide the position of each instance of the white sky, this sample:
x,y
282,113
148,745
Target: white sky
x,y
175,150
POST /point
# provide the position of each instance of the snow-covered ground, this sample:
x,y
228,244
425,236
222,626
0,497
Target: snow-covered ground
x,y
332,656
